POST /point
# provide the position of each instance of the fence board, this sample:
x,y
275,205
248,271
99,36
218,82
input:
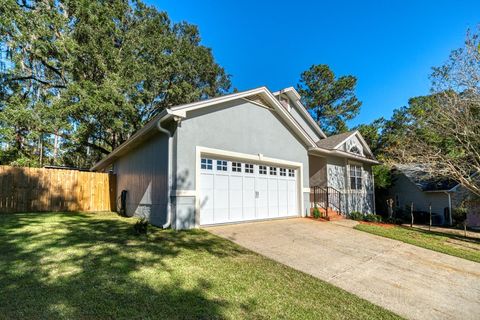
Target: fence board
x,y
34,189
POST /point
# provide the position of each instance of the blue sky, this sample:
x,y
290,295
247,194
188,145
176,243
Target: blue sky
x,y
390,46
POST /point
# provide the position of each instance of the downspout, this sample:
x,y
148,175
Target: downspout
x,y
346,184
169,173
449,208
373,185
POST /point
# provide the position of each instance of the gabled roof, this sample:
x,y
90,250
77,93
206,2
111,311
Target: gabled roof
x,y
336,141
295,97
425,181
260,96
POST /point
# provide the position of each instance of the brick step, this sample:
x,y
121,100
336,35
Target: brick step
x,y
329,214
335,217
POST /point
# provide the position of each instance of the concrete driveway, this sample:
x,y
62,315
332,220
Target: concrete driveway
x,y
410,281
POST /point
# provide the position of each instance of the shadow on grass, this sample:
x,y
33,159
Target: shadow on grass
x,y
56,265
443,234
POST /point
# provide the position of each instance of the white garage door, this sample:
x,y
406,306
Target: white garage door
x,y
232,191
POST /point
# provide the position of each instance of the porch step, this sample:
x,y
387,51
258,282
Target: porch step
x,y
335,217
329,214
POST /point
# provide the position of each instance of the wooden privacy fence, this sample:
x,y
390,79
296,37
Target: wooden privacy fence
x,y
40,189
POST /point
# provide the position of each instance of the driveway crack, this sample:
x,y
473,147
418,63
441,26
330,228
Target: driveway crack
x,y
370,258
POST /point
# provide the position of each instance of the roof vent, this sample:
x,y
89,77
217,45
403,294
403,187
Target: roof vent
x,y
285,102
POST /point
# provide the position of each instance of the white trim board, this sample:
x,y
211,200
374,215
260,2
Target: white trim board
x,y
362,141
301,108
185,193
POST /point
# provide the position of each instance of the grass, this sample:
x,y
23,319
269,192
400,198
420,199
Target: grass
x,y
90,266
455,245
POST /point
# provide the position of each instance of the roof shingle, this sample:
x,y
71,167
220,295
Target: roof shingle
x,y
332,141
424,180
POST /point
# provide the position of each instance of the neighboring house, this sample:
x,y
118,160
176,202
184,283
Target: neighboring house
x,y
244,156
411,183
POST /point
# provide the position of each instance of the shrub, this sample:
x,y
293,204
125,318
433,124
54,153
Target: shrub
x,y
372,218
402,214
141,226
355,215
459,215
316,213
393,220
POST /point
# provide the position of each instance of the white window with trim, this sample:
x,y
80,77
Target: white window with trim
x,y
291,173
283,172
248,168
355,177
354,149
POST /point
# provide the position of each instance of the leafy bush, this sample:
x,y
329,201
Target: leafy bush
x,y
372,218
355,215
421,216
141,226
402,214
316,213
394,220
459,215
383,176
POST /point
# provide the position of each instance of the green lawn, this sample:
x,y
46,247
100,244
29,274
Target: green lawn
x,y
455,245
90,266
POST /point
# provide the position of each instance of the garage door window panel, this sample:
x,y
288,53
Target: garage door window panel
x,y
222,165
262,169
248,168
206,164
236,167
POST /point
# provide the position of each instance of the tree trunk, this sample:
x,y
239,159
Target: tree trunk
x,y
55,146
41,150
430,218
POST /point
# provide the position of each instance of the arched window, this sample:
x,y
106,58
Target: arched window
x,y
354,149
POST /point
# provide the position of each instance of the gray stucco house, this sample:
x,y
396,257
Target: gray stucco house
x,y
244,156
413,184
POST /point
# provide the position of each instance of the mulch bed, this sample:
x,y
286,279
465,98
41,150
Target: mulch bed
x,y
379,224
319,219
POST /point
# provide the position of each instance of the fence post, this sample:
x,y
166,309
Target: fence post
x,y
411,214
328,201
430,213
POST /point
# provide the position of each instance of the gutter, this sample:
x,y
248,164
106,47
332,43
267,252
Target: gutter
x,y
162,116
449,207
155,123
169,170
176,118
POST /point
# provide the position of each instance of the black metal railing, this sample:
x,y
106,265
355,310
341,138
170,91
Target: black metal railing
x,y
327,198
